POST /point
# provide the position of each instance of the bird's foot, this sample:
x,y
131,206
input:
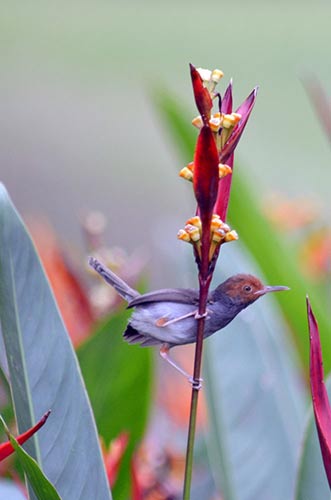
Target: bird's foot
x,y
200,316
196,383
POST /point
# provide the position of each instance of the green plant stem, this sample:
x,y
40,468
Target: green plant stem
x,y
204,288
190,445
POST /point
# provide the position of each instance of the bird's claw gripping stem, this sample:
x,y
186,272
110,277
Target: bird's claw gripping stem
x,y
200,316
196,383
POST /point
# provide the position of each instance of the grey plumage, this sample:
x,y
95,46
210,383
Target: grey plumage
x,y
167,317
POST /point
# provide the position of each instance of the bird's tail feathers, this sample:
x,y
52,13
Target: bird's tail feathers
x,y
120,286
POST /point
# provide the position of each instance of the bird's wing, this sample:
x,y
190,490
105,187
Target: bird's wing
x,y
132,336
181,295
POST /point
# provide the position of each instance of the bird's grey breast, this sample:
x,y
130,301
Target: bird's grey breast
x,y
158,320
221,313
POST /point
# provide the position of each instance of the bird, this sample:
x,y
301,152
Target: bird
x,y
168,317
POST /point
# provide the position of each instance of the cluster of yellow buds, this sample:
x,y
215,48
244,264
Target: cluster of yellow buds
x,y
210,78
219,120
192,231
220,233
187,172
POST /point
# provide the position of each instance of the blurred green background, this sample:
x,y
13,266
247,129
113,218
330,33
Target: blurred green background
x,y
78,128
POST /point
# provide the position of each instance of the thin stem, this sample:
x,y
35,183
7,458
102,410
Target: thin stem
x,y
204,288
190,446
205,277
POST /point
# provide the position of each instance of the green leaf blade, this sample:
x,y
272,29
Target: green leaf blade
x,y
256,401
119,380
43,368
43,489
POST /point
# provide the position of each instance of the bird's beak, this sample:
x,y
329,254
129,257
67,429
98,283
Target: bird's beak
x,y
268,289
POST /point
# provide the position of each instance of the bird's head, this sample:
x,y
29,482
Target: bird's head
x,y
244,289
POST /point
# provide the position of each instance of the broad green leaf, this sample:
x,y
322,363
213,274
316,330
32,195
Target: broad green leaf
x,y
312,483
270,250
43,489
43,369
118,379
256,400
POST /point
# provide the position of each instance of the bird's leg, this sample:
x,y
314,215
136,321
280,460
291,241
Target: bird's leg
x,y
162,321
164,353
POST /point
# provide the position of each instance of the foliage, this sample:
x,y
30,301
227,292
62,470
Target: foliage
x,y
43,369
256,398
37,480
118,379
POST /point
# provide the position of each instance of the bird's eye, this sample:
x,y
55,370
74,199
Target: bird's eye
x,y
247,288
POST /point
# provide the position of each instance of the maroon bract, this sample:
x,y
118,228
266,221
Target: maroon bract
x,y
201,94
205,180
224,188
244,110
205,183
226,102
321,404
227,152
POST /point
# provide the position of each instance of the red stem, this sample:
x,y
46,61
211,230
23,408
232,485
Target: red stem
x,y
204,282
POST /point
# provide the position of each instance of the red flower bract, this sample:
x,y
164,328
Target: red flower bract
x,y
224,188
227,152
201,94
114,455
226,102
205,183
244,110
6,448
321,404
205,178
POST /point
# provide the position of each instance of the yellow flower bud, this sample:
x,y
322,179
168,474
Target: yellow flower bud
x,y
186,173
216,224
231,236
237,117
193,232
197,122
215,123
218,235
228,121
216,75
183,235
224,170
194,221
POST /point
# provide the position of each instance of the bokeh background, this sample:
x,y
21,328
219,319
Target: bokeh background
x,y
79,129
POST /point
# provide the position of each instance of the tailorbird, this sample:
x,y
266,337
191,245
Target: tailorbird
x,y
168,317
